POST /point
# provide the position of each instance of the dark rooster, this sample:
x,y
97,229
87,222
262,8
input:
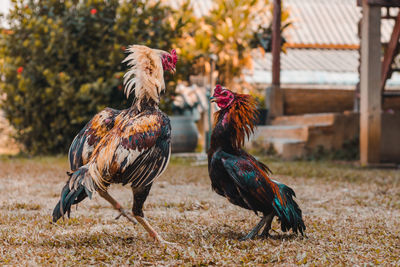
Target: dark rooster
x,y
238,176
130,146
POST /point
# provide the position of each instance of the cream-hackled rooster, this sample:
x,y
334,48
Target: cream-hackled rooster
x,y
130,146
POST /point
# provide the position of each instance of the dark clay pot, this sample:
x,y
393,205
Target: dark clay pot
x,y
184,134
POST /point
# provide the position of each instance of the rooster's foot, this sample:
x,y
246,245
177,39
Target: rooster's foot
x,y
255,230
126,214
153,233
268,221
164,242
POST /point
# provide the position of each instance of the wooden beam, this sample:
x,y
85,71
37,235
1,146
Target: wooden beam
x,y
323,46
274,94
391,94
276,43
370,81
390,52
380,3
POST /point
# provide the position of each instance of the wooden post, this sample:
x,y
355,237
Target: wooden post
x,y
276,43
370,82
274,94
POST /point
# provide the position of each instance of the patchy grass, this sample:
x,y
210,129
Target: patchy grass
x,y
352,217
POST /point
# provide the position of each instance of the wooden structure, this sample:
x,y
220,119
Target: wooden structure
x,y
373,76
274,94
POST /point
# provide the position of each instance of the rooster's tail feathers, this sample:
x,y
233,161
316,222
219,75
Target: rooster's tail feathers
x,y
79,186
289,212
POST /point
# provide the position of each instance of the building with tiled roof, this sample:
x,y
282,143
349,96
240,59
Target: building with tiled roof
x,y
332,24
322,43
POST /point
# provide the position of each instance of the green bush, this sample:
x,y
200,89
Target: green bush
x,y
61,62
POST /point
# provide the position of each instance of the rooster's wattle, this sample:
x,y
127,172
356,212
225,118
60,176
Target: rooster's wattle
x,y
237,175
124,146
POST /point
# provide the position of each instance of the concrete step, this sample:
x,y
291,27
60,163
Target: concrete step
x,y
299,132
306,119
285,147
290,149
297,136
322,135
292,141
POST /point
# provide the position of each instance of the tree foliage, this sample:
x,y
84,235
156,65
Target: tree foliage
x,y
61,62
227,31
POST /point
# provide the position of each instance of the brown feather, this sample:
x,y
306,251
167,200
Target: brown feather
x,y
242,115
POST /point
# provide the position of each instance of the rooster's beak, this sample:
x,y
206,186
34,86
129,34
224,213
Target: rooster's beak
x,y
213,99
173,70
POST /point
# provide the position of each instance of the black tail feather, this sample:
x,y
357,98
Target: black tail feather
x,y
71,196
289,213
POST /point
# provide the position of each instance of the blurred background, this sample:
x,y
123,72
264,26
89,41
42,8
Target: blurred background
x,y
325,74
61,63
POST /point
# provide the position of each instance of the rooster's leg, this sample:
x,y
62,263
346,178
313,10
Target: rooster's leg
x,y
139,197
256,229
116,205
268,222
153,233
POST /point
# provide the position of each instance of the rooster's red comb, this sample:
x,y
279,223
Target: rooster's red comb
x,y
174,56
218,89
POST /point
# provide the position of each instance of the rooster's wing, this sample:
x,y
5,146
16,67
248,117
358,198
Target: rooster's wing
x,y
87,139
250,179
136,151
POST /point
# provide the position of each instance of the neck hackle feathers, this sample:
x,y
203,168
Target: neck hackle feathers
x,y
145,77
240,115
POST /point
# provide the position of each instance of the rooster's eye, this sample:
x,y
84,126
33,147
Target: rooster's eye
x,y
169,59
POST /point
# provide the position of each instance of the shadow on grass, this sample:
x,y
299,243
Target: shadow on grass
x,y
95,240
284,236
238,236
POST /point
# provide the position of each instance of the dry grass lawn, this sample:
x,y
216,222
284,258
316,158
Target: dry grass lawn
x,y
352,217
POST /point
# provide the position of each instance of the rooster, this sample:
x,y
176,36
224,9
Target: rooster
x,y
238,176
130,146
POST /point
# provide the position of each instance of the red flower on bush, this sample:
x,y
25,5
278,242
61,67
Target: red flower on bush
x,y
20,70
93,11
